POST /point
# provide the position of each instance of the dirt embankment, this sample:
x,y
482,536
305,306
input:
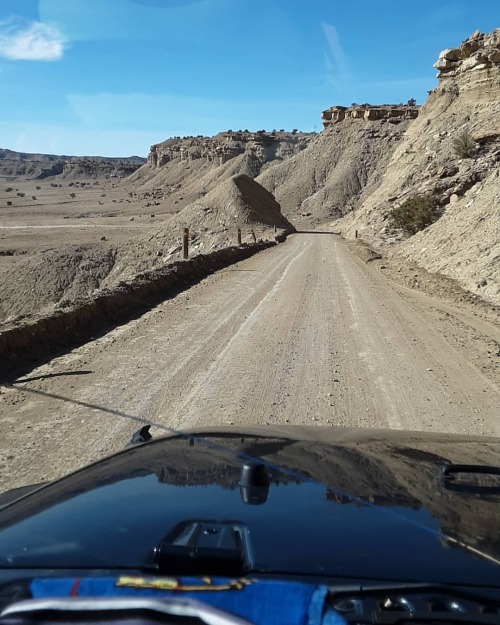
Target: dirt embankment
x,y
42,338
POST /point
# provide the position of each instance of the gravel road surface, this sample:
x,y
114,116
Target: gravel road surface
x,y
303,333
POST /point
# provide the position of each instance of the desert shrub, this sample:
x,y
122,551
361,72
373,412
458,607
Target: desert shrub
x,y
464,145
53,184
9,203
21,194
33,197
38,188
8,189
73,195
415,214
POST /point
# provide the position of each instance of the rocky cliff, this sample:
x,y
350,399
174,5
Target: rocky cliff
x,y
465,242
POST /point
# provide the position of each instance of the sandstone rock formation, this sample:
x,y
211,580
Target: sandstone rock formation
x,y
391,112
478,52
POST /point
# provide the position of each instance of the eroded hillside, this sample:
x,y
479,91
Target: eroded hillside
x,y
340,167
198,164
464,243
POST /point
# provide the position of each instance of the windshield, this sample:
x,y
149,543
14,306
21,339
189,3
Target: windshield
x,y
234,215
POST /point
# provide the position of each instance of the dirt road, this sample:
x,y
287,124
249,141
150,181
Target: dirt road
x,y
302,333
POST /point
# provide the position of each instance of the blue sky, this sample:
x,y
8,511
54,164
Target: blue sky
x,y
111,77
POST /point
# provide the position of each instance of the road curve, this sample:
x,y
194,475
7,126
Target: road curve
x,y
303,333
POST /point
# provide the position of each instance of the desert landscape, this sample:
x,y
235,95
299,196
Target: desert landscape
x,y
326,312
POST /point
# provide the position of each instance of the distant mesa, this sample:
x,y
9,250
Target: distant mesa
x,y
40,166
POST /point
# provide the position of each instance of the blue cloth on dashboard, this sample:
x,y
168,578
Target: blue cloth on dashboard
x,y
260,601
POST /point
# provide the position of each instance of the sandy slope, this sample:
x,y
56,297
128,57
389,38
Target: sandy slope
x,y
305,333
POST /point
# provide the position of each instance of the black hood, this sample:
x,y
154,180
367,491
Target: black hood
x,y
322,502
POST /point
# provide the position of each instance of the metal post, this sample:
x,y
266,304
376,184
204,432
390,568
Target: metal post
x,y
185,243
239,236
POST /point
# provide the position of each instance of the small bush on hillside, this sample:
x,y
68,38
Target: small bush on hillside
x,y
415,214
8,189
464,145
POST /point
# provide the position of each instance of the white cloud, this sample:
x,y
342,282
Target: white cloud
x,y
35,41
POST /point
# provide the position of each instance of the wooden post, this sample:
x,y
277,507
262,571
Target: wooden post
x,y
253,236
239,236
355,234
185,243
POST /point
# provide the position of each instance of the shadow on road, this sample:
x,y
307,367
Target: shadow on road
x,y
83,404
49,375
317,232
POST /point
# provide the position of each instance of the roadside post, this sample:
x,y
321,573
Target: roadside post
x,y
239,236
185,244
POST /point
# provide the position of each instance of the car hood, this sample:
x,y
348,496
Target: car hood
x,y
336,503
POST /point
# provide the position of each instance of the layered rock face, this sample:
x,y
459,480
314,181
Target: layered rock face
x,y
199,164
393,113
223,147
465,242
